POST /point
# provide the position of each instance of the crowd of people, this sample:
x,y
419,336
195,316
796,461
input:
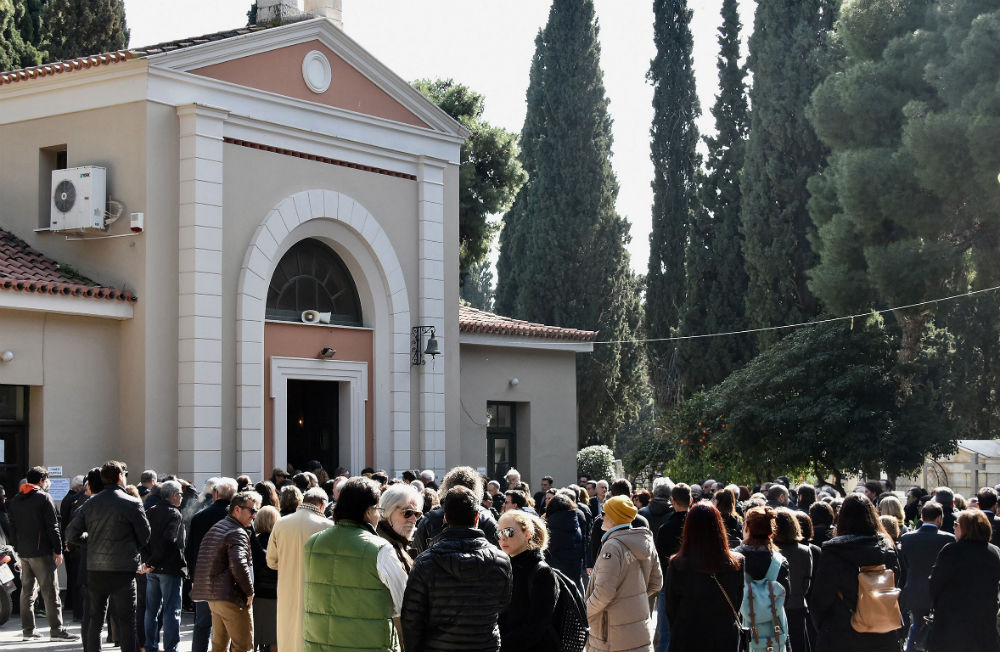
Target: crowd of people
x,y
305,561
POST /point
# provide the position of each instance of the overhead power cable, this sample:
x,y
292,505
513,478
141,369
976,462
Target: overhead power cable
x,y
804,323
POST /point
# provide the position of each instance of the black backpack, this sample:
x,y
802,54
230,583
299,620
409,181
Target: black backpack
x,y
570,615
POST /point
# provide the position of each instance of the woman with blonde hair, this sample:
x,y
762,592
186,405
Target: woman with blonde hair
x,y
890,506
527,623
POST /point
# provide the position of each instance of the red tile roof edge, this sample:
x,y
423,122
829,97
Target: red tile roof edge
x,y
25,269
58,67
480,322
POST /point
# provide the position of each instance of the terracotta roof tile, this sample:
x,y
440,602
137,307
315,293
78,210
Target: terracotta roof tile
x,y
473,320
23,269
82,63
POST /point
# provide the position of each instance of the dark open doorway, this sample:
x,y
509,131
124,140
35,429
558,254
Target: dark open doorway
x,y
13,436
313,423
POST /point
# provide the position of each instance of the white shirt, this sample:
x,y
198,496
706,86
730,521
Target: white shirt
x,y
393,575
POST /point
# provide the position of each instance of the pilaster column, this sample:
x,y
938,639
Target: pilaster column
x,y
199,367
430,308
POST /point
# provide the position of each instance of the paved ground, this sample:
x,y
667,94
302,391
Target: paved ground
x,y
10,637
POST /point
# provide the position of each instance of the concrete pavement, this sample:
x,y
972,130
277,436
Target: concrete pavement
x,y
10,636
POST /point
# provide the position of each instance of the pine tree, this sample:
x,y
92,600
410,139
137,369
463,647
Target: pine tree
x,y
563,258
716,278
76,28
782,153
674,142
15,51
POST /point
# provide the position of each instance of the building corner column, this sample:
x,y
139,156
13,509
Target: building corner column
x,y
199,372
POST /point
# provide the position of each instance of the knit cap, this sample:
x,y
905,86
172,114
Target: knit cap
x,y
620,510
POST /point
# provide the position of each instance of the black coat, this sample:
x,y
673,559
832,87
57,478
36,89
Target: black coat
x,y
567,547
432,524
821,534
699,615
799,558
918,550
34,524
835,593
964,585
265,578
200,525
455,593
668,539
115,528
995,524
734,529
757,561
526,624
656,513
165,550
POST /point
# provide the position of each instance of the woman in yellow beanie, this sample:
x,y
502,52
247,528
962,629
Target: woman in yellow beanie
x,y
626,574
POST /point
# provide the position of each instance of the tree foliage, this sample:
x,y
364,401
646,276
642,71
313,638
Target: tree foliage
x,y
477,290
15,51
786,60
76,28
821,399
907,209
596,462
716,276
673,144
489,173
563,259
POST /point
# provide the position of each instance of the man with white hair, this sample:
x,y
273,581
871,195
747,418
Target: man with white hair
x,y
427,477
286,554
165,566
513,479
222,491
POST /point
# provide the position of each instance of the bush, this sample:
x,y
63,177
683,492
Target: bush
x,y
596,462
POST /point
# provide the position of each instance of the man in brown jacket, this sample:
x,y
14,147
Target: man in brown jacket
x,y
224,575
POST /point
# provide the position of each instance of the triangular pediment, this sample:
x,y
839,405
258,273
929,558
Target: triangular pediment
x,y
296,60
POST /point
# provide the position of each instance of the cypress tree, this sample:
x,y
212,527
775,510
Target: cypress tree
x,y
30,23
477,290
563,236
674,142
514,227
716,278
15,51
782,153
76,28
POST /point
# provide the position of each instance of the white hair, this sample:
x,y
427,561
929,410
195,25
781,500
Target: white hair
x,y
513,473
226,488
398,495
663,480
418,485
427,475
169,489
76,482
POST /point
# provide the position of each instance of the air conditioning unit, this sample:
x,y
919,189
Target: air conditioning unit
x,y
79,198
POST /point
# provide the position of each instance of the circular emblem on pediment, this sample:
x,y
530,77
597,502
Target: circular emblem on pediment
x,y
317,72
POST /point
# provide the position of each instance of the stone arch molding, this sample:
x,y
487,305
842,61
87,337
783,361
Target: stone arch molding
x,y
272,237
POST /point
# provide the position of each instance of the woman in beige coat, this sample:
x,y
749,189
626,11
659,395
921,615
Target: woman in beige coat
x,y
626,574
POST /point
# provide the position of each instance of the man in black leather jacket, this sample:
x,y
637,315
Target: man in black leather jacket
x,y
457,588
165,566
432,524
115,528
35,534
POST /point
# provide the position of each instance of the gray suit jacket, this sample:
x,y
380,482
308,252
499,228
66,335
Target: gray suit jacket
x,y
918,550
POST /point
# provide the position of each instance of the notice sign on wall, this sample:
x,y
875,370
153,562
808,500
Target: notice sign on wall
x,y
58,488
54,471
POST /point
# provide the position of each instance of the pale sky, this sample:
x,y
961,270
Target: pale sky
x,y
488,45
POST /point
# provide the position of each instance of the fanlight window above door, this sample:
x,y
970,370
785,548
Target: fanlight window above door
x,y
311,276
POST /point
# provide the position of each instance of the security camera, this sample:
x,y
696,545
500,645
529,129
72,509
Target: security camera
x,y
327,352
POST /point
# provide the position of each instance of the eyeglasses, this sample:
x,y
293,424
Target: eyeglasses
x,y
506,533
253,510
410,513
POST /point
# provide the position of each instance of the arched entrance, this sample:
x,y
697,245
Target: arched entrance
x,y
356,237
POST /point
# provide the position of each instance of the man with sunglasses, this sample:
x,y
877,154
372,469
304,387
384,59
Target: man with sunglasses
x,y
224,575
116,528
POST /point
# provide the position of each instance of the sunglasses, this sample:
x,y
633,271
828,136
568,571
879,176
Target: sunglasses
x,y
410,513
506,533
253,510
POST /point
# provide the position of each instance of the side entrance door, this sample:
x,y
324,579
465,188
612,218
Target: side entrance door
x,y
501,441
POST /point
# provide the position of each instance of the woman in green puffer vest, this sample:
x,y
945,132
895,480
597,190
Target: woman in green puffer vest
x,y
354,580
